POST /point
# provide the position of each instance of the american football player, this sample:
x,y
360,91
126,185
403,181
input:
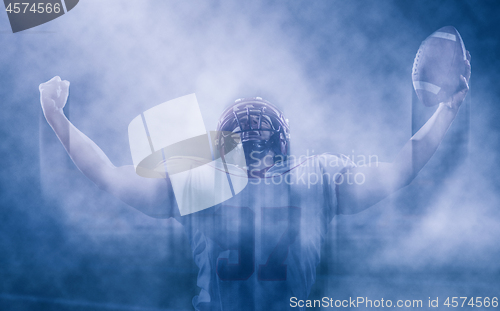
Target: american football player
x,y
261,247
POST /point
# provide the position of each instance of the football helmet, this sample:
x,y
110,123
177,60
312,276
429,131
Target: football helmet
x,y
258,125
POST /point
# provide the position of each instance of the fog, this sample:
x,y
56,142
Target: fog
x,y
340,71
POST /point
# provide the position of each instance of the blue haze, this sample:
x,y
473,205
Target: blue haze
x,y
341,72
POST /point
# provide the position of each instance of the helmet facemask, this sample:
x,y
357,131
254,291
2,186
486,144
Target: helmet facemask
x,y
261,128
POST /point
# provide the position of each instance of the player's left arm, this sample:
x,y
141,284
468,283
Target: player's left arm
x,y
382,179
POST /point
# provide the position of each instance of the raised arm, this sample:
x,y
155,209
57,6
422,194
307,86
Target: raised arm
x,y
382,179
151,196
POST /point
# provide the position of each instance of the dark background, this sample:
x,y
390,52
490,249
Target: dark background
x,y
340,70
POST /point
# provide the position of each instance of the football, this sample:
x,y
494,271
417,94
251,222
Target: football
x,y
438,65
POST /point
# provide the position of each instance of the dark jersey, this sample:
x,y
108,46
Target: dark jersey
x,y
261,247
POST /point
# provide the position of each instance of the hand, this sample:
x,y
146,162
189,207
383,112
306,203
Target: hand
x,y
54,94
457,98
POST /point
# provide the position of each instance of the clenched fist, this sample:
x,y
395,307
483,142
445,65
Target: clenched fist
x,y
53,95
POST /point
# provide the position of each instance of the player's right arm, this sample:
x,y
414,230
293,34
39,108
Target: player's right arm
x,y
152,196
